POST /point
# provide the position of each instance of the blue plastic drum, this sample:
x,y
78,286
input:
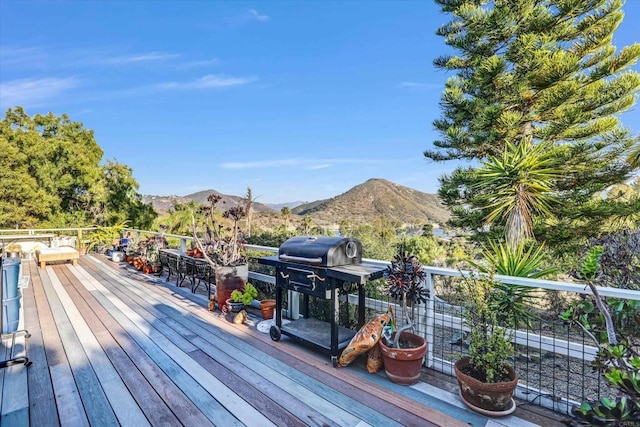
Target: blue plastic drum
x,y
10,276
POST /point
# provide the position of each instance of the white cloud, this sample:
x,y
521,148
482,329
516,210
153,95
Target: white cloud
x,y
34,92
421,85
306,163
143,57
258,17
21,56
209,81
262,164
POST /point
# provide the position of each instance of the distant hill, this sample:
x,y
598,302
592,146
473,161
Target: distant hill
x,y
362,203
377,197
278,206
164,203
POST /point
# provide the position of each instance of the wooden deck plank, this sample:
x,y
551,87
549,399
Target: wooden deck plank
x,y
42,403
249,381
390,408
183,408
241,409
140,332
15,401
252,375
382,392
66,393
159,346
337,407
94,399
124,407
145,396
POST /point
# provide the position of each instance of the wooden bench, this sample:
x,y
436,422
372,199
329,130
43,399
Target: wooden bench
x,y
45,255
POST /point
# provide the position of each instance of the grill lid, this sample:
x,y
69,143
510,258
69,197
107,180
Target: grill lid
x,y
321,250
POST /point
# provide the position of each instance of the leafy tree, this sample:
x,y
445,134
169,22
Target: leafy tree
x,y
286,215
425,248
179,218
53,177
122,198
543,73
23,203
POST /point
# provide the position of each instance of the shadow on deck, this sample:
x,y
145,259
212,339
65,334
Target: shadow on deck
x,y
111,346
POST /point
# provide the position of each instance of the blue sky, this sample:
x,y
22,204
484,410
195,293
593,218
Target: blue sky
x,y
298,100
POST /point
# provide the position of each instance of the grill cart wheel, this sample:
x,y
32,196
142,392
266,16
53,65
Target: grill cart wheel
x,y
274,333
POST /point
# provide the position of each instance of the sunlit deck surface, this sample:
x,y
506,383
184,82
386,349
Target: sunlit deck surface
x,y
112,346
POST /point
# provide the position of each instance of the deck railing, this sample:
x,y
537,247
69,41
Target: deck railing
x,y
553,358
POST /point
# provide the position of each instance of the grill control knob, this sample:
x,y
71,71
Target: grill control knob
x,y
351,249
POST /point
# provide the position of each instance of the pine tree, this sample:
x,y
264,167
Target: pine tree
x,y
539,72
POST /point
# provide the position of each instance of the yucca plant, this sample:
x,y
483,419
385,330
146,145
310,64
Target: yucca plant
x,y
519,261
517,185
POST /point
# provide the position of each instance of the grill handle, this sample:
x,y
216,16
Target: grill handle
x,y
300,259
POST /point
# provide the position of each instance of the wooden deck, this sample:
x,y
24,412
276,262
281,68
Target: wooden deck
x,y
111,346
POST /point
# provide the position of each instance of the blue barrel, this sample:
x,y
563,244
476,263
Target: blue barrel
x,y
10,314
10,276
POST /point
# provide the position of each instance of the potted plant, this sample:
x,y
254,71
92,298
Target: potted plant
x,y
222,245
241,297
403,352
267,307
486,381
14,250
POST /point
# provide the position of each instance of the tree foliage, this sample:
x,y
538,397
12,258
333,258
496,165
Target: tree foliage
x,y
543,73
52,176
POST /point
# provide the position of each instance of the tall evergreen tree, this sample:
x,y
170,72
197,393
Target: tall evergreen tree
x,y
540,72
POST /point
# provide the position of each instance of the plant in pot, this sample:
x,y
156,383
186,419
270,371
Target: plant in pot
x,y
14,250
241,297
403,352
267,307
223,246
486,381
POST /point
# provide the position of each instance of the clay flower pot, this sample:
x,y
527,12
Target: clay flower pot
x,y
403,365
267,307
490,397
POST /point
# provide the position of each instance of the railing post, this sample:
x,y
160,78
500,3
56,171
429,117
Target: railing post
x,y
183,245
430,318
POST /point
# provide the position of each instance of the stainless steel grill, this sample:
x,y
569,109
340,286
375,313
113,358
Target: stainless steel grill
x,y
319,267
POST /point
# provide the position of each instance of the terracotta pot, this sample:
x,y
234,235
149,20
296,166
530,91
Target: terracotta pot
x,y
138,263
228,279
489,396
267,306
403,365
146,269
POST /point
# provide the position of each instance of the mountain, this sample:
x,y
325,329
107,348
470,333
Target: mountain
x,y
164,203
362,203
377,197
278,206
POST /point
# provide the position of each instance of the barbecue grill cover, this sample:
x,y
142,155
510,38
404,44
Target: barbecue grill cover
x,y
321,250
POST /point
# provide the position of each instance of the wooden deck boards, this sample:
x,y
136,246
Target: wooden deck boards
x,y
114,347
